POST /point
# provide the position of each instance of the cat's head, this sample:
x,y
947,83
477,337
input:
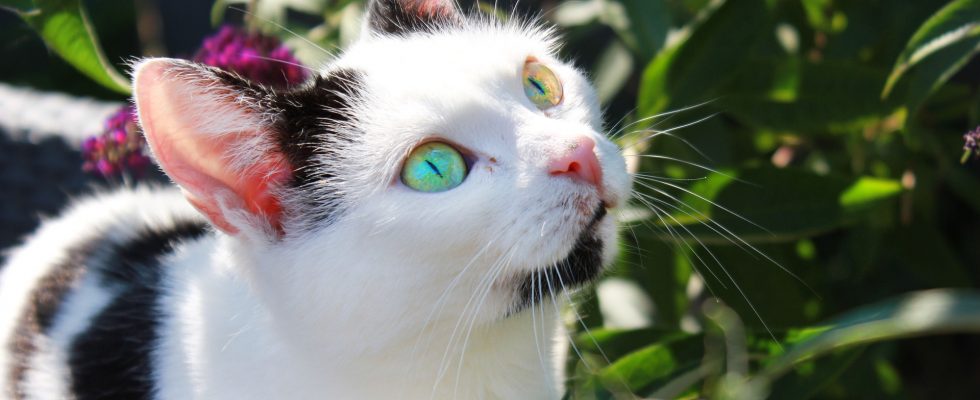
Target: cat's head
x,y
440,157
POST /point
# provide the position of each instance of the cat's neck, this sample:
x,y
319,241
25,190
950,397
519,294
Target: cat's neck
x,y
241,343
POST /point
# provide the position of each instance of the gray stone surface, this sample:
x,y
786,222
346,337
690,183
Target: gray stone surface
x,y
40,162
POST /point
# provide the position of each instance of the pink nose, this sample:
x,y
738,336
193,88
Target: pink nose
x,y
579,163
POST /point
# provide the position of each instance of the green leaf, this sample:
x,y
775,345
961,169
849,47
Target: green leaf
x,y
965,186
768,204
653,365
808,381
616,343
218,12
642,24
868,191
612,71
65,28
18,6
922,252
808,97
951,37
688,73
916,314
662,270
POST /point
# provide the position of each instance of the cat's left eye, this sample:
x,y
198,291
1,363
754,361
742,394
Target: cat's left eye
x,y
541,85
434,167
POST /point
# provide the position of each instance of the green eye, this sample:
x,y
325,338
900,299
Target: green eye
x,y
434,167
541,85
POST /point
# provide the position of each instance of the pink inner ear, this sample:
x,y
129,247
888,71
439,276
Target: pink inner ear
x,y
176,122
430,7
435,7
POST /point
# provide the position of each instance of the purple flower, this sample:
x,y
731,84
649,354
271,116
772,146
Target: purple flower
x,y
120,147
971,144
257,57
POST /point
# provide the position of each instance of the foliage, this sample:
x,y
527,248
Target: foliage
x,y
799,199
64,25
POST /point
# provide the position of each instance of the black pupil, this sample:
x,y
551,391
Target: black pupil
x,y
537,85
434,168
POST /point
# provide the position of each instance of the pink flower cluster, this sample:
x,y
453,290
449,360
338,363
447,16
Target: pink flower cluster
x,y
118,148
257,57
262,59
971,144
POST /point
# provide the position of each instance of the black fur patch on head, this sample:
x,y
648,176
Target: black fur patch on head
x,y
311,118
581,266
313,129
307,124
111,359
403,17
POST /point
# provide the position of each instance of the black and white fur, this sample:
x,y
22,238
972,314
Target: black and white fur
x,y
301,267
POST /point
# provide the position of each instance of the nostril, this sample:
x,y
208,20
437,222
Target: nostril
x,y
574,168
579,163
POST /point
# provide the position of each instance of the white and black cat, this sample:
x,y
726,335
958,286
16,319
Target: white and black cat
x,y
396,228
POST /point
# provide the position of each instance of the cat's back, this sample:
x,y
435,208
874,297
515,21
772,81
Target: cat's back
x,y
78,300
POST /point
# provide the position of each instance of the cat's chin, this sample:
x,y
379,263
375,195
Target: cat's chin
x,y
581,265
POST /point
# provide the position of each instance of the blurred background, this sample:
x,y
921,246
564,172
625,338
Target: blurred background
x,y
806,215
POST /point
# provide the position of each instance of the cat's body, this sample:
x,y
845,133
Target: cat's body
x,y
176,319
309,269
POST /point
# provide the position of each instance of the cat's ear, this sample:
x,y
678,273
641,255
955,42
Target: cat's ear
x,y
408,16
212,132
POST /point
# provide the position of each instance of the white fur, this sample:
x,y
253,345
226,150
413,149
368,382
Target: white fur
x,y
49,376
117,217
405,294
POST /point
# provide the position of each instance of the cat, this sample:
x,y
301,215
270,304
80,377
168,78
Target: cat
x,y
404,225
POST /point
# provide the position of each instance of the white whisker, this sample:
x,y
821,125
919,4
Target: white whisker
x,y
658,133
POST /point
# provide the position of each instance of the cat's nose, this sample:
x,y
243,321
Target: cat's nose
x,y
579,162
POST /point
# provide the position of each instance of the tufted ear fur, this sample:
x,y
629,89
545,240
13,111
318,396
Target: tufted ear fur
x,y
401,17
212,133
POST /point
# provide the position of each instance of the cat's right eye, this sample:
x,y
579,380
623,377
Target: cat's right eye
x,y
434,167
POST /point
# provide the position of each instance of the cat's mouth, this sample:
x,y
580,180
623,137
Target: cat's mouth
x,y
582,265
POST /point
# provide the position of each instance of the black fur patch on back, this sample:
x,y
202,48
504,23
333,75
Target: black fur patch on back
x,y
42,306
581,266
111,359
403,17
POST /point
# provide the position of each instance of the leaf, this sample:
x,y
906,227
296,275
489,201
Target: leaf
x,y
689,72
916,314
218,12
809,97
768,204
576,12
768,298
951,36
820,373
642,24
653,365
922,252
663,271
612,71
18,6
616,343
966,187
65,28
